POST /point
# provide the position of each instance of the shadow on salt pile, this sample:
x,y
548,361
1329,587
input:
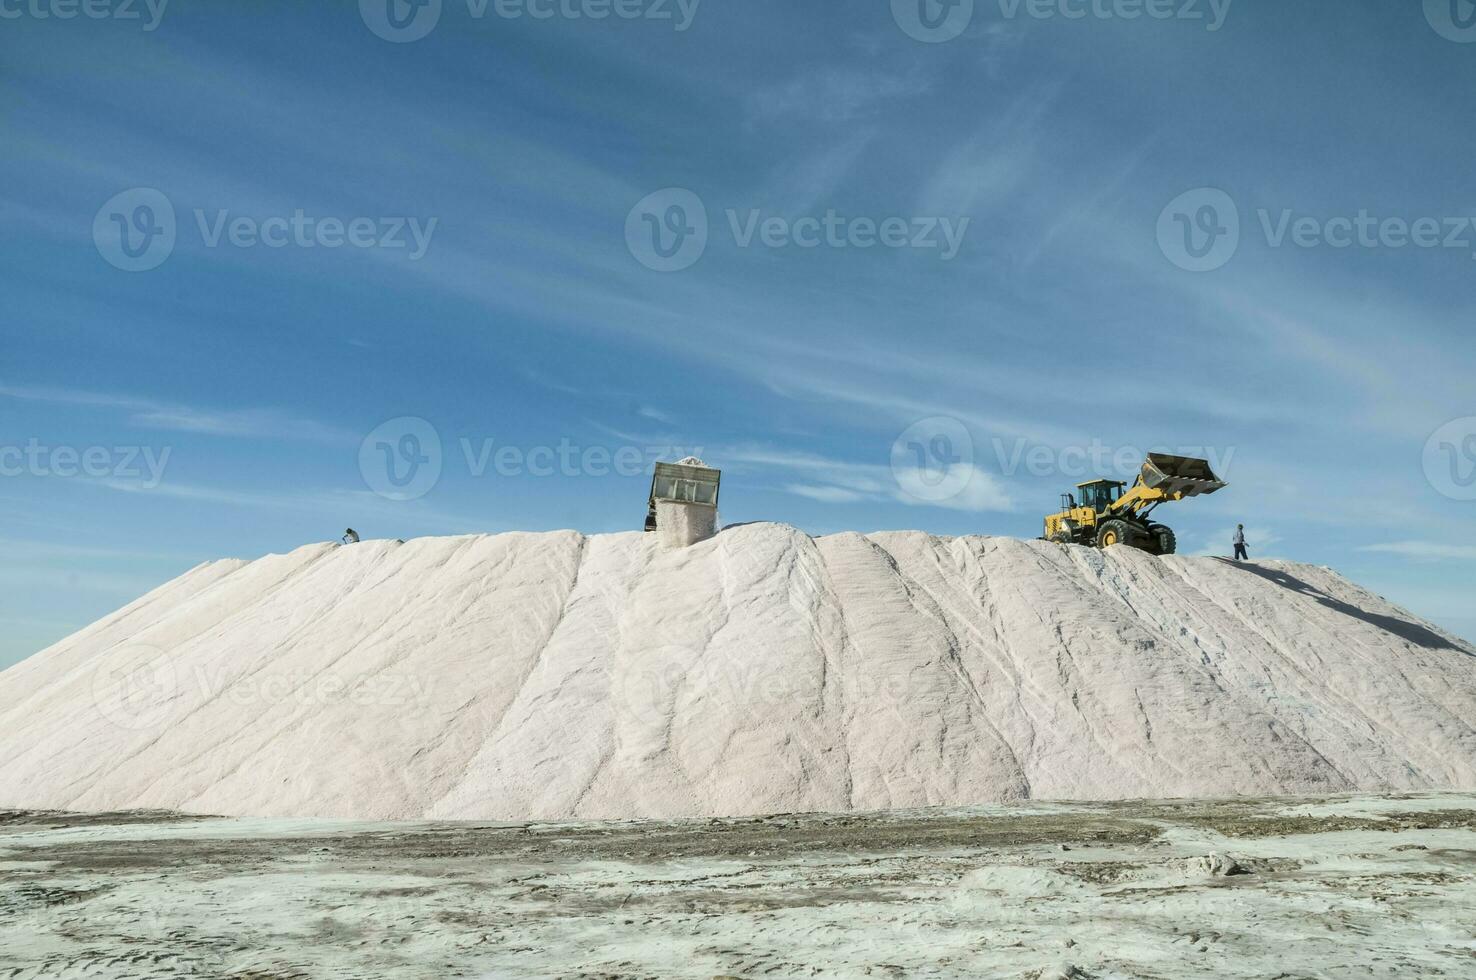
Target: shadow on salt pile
x,y
1412,632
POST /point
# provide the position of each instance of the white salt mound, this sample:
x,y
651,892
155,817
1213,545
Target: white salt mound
x,y
679,525
531,676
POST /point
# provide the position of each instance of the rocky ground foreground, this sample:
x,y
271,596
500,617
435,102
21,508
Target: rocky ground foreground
x,y
1333,887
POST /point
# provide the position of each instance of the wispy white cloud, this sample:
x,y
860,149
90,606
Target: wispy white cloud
x,y
72,396
981,493
339,505
545,380
831,480
986,168
42,551
834,93
149,414
826,495
655,415
1425,550
89,580
808,182
1088,201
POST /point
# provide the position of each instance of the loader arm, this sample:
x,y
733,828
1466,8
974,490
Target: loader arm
x,y
1140,500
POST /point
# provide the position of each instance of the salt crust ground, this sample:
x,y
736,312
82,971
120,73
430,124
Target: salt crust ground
x,y
1331,888
548,676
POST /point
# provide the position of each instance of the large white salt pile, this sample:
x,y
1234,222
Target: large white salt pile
x,y
555,675
680,525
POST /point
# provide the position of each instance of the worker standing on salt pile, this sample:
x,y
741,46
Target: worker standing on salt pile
x,y
1240,553
350,536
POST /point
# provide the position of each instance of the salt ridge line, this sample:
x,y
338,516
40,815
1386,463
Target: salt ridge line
x,y
762,671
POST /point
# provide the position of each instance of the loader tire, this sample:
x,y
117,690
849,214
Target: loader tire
x,y
1163,539
1114,532
1062,537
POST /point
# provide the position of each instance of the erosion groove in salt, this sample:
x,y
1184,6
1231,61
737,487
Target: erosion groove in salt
x,y
535,676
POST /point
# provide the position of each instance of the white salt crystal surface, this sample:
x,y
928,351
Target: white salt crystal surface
x,y
556,675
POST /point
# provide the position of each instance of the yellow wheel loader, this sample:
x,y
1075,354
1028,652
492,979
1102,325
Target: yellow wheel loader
x,y
1109,512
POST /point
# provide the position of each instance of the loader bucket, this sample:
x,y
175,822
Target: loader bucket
x,y
1182,476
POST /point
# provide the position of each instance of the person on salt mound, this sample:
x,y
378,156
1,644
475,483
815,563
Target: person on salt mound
x,y
350,536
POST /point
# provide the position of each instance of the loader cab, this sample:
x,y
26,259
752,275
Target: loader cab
x,y
690,483
1099,494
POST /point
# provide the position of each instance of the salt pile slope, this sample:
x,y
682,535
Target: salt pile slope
x,y
524,676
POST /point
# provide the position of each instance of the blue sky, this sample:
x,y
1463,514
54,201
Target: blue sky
x,y
226,393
